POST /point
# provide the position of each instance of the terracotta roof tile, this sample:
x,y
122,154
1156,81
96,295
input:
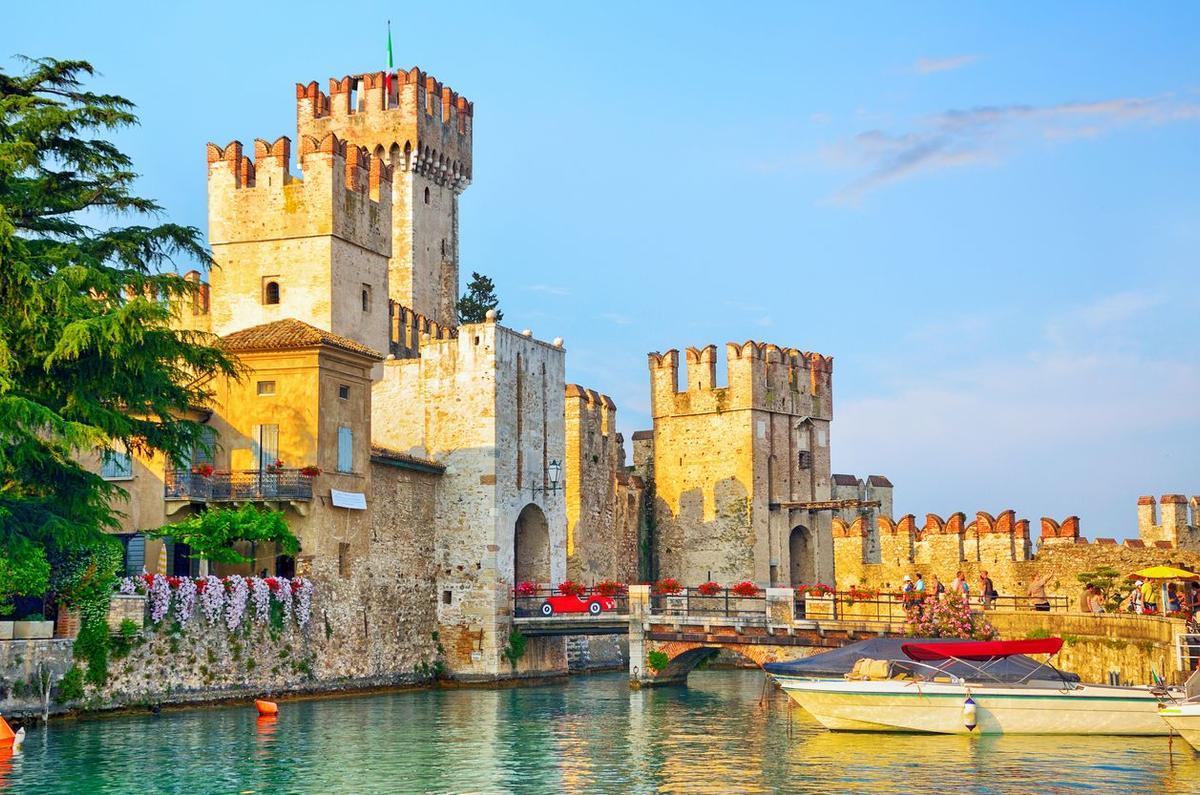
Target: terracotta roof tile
x,y
389,455
288,334
879,480
844,480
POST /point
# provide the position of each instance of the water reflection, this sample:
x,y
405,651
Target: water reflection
x,y
590,735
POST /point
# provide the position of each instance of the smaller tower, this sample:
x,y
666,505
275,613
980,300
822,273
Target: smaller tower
x,y
315,249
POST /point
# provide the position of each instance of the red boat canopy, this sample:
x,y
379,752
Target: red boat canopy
x,y
980,650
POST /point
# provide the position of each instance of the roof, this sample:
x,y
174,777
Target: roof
x,y
384,455
879,480
844,480
289,334
640,435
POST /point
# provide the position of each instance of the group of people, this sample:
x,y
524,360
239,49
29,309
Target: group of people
x,y
1145,596
915,590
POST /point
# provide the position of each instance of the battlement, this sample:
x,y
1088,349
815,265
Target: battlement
x,y
761,376
408,117
1175,527
345,192
408,329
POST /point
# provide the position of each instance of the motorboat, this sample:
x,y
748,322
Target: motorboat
x,y
1184,718
963,687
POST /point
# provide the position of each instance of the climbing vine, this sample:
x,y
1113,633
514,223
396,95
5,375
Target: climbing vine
x,y
515,649
82,578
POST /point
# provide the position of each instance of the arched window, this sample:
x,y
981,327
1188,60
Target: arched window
x,y
427,195
271,293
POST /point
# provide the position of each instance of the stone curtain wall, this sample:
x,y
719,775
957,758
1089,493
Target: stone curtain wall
x,y
999,545
603,501
1174,527
22,663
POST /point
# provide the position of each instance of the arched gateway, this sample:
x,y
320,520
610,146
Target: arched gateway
x,y
531,546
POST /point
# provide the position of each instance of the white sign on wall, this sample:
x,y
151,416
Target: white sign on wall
x,y
354,500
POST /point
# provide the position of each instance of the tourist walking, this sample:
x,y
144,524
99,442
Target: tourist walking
x,y
907,595
938,588
987,591
1095,600
919,588
1172,599
959,586
1037,593
1194,605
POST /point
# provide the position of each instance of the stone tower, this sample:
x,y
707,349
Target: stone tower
x,y
739,470
314,249
423,130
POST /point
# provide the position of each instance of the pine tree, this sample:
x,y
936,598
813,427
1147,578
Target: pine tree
x,y
478,299
88,356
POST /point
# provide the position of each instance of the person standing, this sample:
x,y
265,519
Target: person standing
x,y
919,588
959,586
987,591
1149,597
1037,593
1135,598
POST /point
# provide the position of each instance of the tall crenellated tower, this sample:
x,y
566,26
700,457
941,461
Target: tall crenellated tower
x,y
742,472
423,130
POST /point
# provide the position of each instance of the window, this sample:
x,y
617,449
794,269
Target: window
x,y
427,195
447,597
266,445
443,246
366,297
271,292
266,388
343,392
805,460
116,465
345,450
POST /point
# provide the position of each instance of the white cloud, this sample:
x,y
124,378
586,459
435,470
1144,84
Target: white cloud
x,y
928,66
615,318
985,134
1068,428
548,289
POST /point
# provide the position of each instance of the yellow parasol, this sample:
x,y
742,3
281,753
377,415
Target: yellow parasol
x,y
1163,573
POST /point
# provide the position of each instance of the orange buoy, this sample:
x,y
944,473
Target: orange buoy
x,y
264,707
6,734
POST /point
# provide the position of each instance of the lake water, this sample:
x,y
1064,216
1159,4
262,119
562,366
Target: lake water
x,y
591,734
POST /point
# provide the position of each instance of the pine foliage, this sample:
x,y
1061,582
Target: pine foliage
x,y
478,299
89,360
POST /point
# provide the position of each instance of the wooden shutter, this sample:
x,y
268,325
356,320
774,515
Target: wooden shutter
x,y
345,461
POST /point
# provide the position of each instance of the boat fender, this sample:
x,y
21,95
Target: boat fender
x,y
969,714
266,707
7,735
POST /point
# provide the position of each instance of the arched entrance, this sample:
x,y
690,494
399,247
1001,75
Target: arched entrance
x,y
531,546
800,556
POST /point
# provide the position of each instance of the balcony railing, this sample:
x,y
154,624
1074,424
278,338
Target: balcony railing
x,y
248,485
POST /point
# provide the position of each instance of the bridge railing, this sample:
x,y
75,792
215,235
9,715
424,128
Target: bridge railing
x,y
528,602
893,608
724,602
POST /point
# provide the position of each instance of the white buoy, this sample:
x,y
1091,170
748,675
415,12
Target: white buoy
x,y
18,739
969,714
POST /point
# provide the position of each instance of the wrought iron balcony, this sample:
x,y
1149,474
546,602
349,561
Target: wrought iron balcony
x,y
245,486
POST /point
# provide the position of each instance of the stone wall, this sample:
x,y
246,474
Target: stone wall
x,y
603,500
734,464
1173,529
488,403
22,666
1095,646
873,488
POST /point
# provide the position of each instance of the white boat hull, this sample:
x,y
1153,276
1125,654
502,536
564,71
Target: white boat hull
x,y
1185,721
938,707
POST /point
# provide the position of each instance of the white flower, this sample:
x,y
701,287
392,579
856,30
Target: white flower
x,y
235,602
213,598
261,594
185,600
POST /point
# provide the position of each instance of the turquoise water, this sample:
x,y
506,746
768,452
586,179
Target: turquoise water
x,y
591,734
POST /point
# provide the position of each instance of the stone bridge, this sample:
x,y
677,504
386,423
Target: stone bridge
x,y
772,634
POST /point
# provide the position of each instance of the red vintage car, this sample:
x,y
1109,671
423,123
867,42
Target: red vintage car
x,y
593,604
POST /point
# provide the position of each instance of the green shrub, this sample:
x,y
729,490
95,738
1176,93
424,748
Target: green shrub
x,y
515,649
657,660
70,687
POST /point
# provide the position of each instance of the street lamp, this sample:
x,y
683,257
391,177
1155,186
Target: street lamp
x,y
553,469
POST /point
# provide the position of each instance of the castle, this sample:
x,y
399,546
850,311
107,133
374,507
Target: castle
x,y
428,467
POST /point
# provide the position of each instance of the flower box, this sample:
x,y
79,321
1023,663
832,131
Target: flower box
x,y
6,630
33,630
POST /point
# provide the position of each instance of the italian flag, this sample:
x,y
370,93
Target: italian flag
x,y
387,76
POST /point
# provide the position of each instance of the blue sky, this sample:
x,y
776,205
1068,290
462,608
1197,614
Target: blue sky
x,y
987,214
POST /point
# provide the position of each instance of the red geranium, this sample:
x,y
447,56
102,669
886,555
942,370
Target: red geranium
x,y
174,582
201,584
570,588
526,588
609,588
709,588
148,579
746,588
272,583
668,586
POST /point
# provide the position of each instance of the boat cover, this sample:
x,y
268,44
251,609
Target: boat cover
x,y
980,650
836,663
